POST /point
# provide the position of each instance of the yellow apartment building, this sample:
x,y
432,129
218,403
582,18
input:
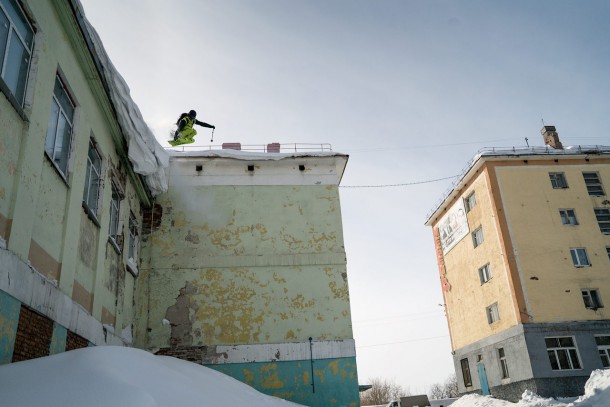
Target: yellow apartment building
x,y
523,248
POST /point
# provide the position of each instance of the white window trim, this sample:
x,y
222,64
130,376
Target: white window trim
x,y
504,372
605,349
493,313
575,347
592,298
115,186
71,122
563,178
485,271
470,201
475,240
578,264
132,262
567,216
94,212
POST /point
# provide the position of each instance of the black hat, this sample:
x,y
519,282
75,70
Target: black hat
x,y
192,114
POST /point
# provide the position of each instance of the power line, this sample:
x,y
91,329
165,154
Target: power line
x,y
397,343
398,185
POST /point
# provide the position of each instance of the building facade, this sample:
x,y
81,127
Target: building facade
x,y
245,272
71,201
523,247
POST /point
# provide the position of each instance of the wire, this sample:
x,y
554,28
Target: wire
x,y
396,343
398,185
428,146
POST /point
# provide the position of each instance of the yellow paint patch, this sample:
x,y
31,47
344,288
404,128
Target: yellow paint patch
x,y
249,376
269,377
2,193
290,335
306,380
334,366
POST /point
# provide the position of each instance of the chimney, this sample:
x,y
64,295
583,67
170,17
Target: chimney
x,y
551,138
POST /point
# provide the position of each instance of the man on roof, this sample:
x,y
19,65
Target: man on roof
x,y
185,133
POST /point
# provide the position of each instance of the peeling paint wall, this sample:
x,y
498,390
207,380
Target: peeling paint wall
x,y
55,248
249,264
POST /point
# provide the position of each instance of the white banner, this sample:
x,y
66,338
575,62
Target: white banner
x,y
453,226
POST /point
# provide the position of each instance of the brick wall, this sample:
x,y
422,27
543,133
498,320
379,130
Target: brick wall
x,y
190,353
74,341
33,339
151,219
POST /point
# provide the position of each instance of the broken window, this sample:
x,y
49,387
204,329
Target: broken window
x,y
503,363
568,217
563,353
93,178
477,237
558,180
466,372
115,211
579,257
603,346
603,219
492,313
470,202
485,274
591,298
593,183
132,249
59,130
16,42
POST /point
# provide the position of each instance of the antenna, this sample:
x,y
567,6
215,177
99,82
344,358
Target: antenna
x,y
528,144
542,120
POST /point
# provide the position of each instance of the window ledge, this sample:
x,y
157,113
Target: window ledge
x,y
90,214
59,172
132,267
114,244
12,100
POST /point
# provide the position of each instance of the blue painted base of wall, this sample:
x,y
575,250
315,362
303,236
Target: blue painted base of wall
x,y
335,381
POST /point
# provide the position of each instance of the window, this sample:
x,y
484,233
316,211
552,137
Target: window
x,y
608,251
59,132
485,274
503,363
470,202
593,183
16,41
115,210
492,313
603,220
568,217
92,180
591,299
466,373
132,248
579,257
603,346
477,237
558,180
562,353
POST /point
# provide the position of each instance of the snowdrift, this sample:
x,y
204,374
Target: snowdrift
x,y
118,376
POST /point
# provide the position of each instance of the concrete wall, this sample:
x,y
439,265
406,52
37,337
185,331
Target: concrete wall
x,y
46,237
245,267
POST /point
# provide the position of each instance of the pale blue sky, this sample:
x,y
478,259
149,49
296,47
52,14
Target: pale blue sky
x,y
410,89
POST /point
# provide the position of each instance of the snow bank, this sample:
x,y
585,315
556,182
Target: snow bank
x,y
250,155
597,394
147,156
117,376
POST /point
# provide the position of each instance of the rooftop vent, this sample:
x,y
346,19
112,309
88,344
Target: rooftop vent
x,y
551,138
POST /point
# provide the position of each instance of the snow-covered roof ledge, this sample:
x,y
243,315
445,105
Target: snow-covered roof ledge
x,y
147,156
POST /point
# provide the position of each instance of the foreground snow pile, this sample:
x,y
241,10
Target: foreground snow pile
x,y
116,376
597,394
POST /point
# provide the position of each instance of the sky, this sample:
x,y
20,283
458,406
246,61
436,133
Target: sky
x,y
411,90
107,376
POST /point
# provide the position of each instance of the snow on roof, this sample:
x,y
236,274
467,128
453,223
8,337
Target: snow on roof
x,y
102,376
147,156
252,156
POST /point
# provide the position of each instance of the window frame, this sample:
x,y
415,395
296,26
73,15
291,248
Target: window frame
x,y
558,180
17,95
51,141
504,373
576,258
603,219
477,237
594,184
93,211
485,273
591,298
603,350
114,225
466,375
493,313
567,349
566,219
133,245
470,201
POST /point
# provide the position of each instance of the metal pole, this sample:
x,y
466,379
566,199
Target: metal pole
x,y
313,384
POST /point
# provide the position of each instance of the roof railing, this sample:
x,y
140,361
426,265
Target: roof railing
x,y
262,148
516,151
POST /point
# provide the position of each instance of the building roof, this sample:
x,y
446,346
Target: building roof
x,y
507,153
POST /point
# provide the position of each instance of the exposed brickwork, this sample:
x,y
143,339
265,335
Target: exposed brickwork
x,y
190,353
75,341
151,219
33,339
